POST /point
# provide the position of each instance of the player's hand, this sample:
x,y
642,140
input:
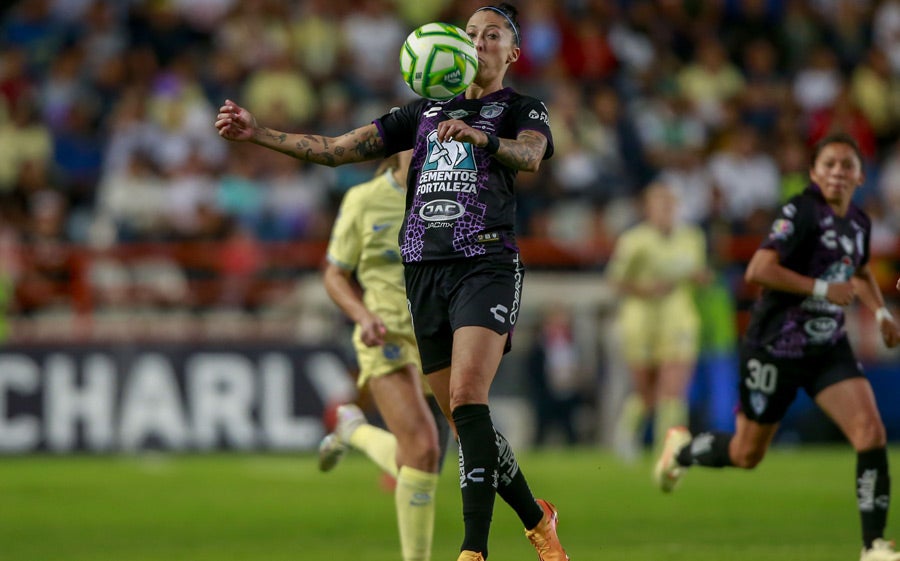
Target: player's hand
x,y
898,284
234,122
890,332
841,293
372,331
454,129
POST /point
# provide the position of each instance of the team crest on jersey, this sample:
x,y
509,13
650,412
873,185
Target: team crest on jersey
x,y
781,229
758,401
491,111
448,155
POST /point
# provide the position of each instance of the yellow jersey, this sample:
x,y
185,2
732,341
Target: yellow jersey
x,y
657,329
364,239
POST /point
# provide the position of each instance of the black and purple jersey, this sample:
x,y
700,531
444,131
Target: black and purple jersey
x,y
460,201
813,241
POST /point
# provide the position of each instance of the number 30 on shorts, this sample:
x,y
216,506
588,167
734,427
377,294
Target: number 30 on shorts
x,y
763,377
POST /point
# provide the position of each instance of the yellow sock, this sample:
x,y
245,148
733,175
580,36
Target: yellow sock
x,y
629,429
379,445
414,497
669,413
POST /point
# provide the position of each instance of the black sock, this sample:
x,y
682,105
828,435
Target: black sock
x,y
513,488
478,457
708,449
873,491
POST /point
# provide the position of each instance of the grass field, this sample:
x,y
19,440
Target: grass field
x,y
798,506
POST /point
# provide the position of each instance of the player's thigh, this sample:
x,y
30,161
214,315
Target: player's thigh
x,y
476,356
402,405
679,336
851,404
637,333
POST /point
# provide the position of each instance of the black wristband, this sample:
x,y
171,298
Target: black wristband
x,y
493,144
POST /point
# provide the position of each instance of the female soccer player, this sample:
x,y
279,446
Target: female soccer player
x,y
364,242
813,263
655,265
461,263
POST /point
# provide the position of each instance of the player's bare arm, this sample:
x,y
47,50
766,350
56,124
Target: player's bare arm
x,y
364,143
524,153
347,294
765,269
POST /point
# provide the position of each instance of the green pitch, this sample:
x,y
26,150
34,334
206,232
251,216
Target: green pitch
x,y
799,505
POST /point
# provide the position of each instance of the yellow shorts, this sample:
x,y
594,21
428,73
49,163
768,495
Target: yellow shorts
x,y
399,349
652,335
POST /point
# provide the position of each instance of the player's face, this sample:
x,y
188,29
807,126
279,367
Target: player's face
x,y
838,172
495,44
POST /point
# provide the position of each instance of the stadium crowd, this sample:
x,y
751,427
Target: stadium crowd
x,y
106,110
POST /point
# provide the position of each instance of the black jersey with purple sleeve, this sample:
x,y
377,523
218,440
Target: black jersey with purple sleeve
x,y
811,240
460,200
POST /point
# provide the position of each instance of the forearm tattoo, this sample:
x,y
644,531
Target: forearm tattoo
x,y
524,153
355,146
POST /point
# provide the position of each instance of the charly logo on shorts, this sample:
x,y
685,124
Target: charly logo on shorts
x,y
448,155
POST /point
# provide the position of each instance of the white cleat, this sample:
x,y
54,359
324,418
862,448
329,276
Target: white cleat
x,y
334,445
331,450
667,471
881,550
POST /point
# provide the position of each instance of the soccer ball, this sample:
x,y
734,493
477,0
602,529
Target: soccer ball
x,y
438,61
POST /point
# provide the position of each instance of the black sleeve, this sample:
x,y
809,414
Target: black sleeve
x,y
398,128
791,230
531,114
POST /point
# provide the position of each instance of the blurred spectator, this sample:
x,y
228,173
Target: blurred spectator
x,y
748,180
818,82
372,35
554,373
134,200
692,184
23,138
886,31
709,81
877,94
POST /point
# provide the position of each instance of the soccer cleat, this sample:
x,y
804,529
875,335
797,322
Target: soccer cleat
x,y
543,536
331,450
667,471
334,445
466,555
881,550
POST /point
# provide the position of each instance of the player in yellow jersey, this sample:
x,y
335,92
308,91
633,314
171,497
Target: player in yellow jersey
x,y
654,266
364,243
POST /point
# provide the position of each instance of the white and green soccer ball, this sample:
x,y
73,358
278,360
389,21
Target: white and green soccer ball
x,y
438,61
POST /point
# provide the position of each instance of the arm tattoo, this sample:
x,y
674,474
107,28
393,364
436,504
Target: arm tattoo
x,y
355,146
523,153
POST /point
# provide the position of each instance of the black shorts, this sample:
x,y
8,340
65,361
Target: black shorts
x,y
483,291
768,385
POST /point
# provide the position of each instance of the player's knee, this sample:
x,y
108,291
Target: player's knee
x,y
867,436
748,458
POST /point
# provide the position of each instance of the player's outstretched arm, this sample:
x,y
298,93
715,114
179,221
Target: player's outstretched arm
x,y
238,124
766,270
